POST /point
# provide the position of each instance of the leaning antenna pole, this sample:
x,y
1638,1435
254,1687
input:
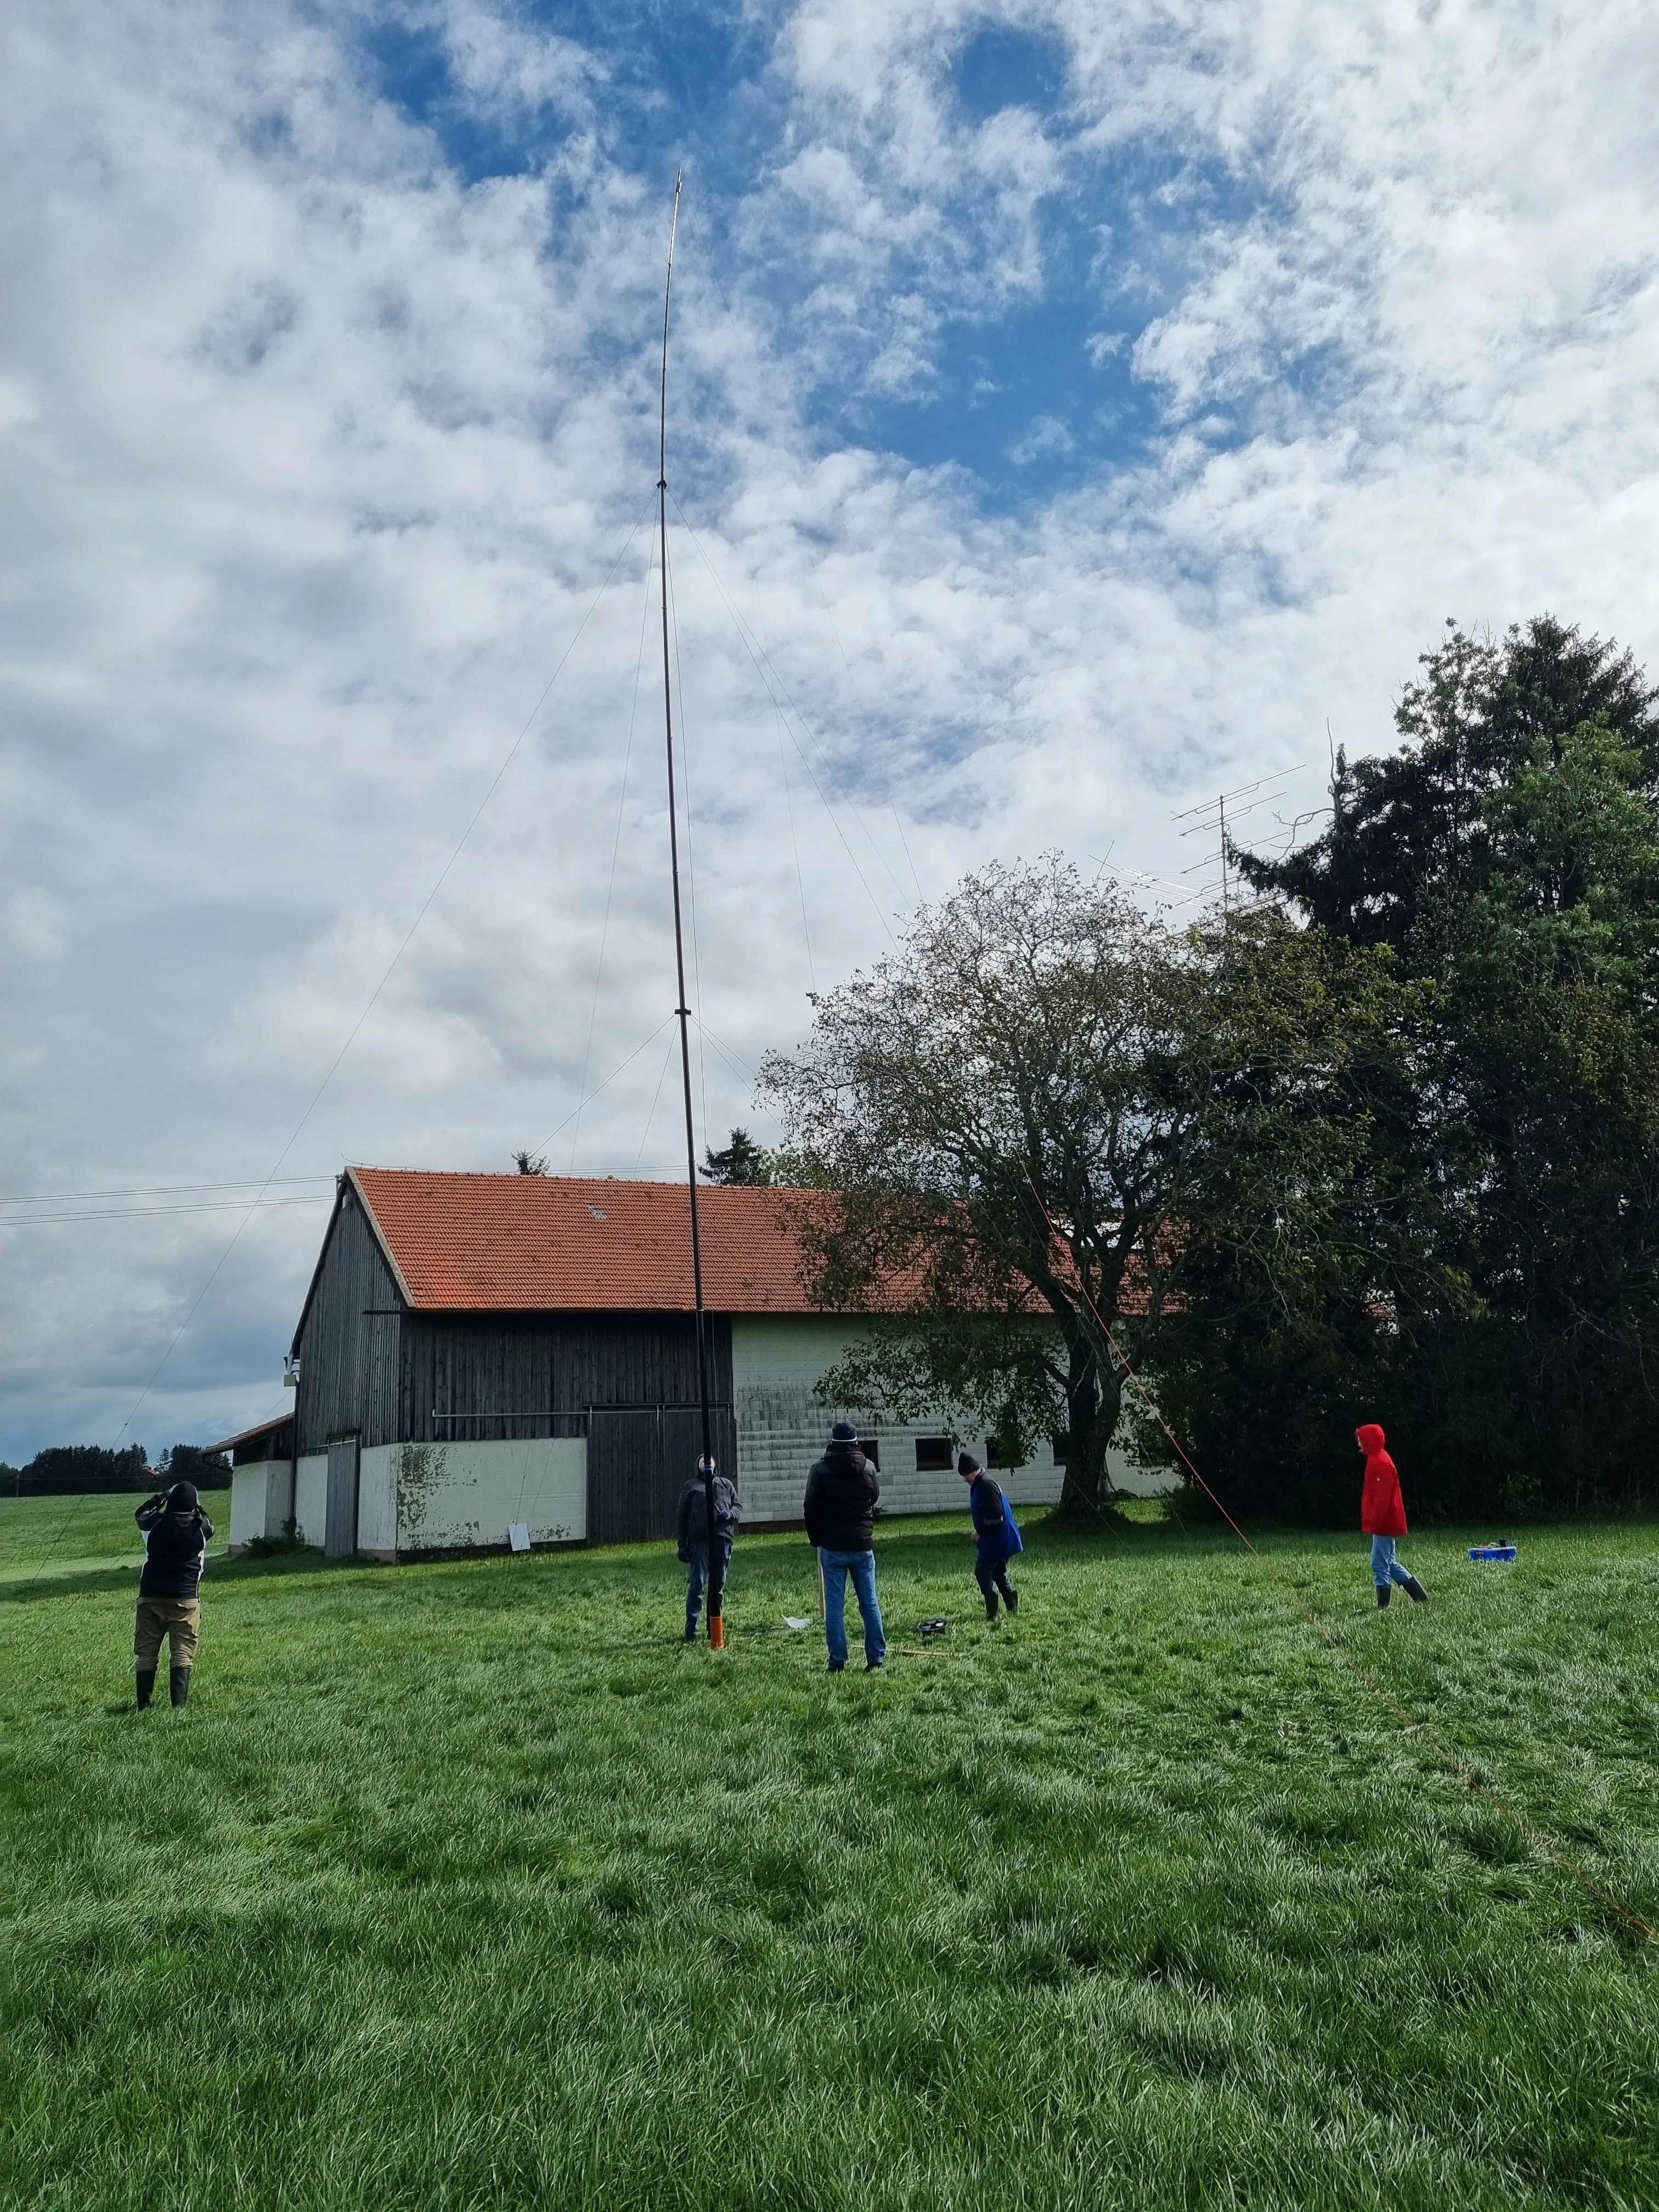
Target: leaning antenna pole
x,y
716,1624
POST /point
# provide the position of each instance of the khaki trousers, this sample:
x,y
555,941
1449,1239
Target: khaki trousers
x,y
158,1618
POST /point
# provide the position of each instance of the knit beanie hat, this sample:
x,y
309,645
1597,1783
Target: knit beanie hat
x,y
843,1433
182,1497
967,1464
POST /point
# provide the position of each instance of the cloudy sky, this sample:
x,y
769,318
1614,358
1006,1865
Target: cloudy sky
x,y
1075,410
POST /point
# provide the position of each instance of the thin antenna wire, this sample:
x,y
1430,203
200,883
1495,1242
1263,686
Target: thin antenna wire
x,y
794,847
662,1077
761,668
716,1595
610,889
691,853
617,1070
904,842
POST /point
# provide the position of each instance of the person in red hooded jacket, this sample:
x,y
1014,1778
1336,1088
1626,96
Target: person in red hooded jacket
x,y
1382,1517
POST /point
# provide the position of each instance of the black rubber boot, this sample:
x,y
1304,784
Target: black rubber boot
x,y
990,1604
1384,1592
1415,1591
179,1684
1011,1597
146,1685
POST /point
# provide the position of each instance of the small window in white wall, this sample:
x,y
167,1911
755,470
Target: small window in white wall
x,y
1062,1445
870,1446
934,1455
995,1457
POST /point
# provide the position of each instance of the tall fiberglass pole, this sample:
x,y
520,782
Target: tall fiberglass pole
x,y
716,1595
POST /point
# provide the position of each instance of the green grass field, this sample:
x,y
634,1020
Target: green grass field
x,y
466,1885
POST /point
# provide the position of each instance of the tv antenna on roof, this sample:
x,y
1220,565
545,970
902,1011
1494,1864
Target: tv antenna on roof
x,y
716,1622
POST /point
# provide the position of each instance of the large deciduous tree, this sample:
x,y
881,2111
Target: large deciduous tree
x,y
992,1106
1021,1114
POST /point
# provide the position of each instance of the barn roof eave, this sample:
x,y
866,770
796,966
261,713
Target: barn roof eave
x,y
386,1252
348,1181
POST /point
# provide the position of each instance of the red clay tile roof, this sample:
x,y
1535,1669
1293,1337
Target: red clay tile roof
x,y
524,1243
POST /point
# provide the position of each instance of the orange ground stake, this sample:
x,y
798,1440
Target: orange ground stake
x,y
716,1632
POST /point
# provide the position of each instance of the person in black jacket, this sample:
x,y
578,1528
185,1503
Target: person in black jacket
x,y
176,1533
694,1542
841,1492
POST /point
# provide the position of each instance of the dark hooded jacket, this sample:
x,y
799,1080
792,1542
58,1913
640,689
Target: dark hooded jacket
x,y
1382,1508
694,1511
994,1525
177,1531
841,1492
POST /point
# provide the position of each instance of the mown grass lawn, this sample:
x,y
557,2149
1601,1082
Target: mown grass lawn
x,y
466,1885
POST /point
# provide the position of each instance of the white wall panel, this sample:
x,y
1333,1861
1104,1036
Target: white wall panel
x,y
456,1494
247,1504
311,1498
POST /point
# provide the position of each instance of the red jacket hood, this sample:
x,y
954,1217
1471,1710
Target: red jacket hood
x,y
1382,1508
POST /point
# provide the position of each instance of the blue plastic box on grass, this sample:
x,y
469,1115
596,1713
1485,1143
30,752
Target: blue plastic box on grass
x,y
1503,1551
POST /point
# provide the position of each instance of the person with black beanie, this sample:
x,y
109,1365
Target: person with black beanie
x,y
839,1511
996,1533
176,1533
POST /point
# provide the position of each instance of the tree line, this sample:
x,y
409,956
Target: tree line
x,y
63,1470
1380,1140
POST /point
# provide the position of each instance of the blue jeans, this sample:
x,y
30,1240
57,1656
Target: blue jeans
x,y
697,1575
861,1565
1385,1568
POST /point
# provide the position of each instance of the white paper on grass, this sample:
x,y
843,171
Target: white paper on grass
x,y
519,1535
790,1621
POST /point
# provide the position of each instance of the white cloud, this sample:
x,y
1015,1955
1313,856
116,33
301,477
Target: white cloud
x,y
317,455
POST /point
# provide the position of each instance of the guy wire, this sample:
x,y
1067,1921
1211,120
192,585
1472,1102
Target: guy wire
x,y
616,847
672,605
766,680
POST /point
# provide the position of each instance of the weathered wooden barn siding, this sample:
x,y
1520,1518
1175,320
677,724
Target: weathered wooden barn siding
x,y
349,1346
628,1384
483,1375
637,1463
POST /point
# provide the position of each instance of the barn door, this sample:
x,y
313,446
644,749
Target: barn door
x,y
636,1462
340,1517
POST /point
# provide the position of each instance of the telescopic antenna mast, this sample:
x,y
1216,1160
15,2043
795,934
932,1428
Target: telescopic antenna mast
x,y
715,1598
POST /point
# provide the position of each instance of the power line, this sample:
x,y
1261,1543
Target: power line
x,y
161,1213
158,1190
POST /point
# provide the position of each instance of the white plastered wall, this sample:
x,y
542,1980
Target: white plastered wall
x,y
259,1500
422,1498
311,1498
782,1428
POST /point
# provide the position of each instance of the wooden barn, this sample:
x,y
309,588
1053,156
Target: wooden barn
x,y
479,1352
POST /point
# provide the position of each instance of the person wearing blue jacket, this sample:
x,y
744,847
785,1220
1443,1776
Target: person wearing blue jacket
x,y
998,1533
